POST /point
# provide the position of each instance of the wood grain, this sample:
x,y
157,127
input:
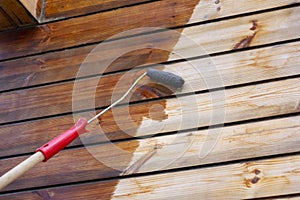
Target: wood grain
x,y
53,9
244,180
277,176
174,151
49,10
236,68
257,65
50,36
71,8
34,7
73,32
64,65
13,15
5,22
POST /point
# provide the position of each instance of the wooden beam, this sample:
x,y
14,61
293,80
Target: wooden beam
x,y
177,151
13,15
69,33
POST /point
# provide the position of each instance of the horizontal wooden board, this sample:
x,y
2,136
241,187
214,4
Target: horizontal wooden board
x,y
49,10
53,9
50,36
168,152
64,65
237,68
71,8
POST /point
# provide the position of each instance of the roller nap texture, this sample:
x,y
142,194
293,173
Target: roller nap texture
x,y
167,78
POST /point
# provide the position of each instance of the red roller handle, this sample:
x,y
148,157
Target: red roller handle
x,y
58,143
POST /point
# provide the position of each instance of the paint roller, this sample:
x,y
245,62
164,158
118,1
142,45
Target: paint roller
x,y
48,150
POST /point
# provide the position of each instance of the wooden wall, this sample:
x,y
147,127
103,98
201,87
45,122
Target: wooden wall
x,y
252,45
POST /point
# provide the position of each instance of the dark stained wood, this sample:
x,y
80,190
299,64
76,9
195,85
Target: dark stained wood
x,y
13,15
58,9
5,22
103,191
68,33
80,165
64,65
101,26
49,10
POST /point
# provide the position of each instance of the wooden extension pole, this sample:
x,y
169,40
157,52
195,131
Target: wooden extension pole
x,y
45,152
20,169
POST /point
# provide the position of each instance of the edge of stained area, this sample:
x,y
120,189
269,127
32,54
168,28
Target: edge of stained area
x,y
107,189
157,112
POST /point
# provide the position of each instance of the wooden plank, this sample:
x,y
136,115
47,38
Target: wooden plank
x,y
285,198
71,8
53,9
49,10
69,33
237,68
175,151
38,102
64,65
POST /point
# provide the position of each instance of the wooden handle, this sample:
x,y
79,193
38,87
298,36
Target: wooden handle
x,y
20,169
